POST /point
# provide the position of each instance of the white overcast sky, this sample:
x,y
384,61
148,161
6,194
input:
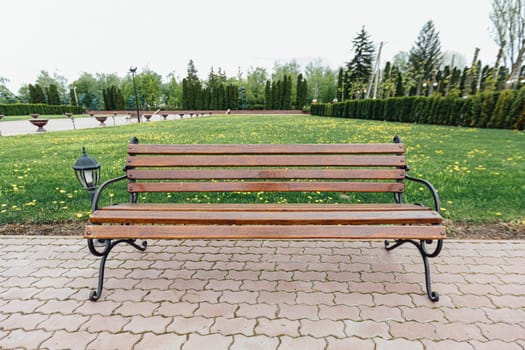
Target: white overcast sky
x,y
108,36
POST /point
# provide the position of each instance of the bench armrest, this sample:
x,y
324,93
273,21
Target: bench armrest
x,y
437,202
96,198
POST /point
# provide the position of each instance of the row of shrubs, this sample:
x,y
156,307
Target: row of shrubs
x,y
27,108
504,109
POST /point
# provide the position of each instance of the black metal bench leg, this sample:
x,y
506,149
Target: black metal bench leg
x,y
422,247
108,246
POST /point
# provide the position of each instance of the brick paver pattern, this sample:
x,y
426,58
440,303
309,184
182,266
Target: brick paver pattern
x,y
261,295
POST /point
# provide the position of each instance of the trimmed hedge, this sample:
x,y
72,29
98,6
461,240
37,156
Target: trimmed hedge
x,y
27,108
505,110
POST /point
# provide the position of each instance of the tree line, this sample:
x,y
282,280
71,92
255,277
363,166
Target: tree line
x,y
423,70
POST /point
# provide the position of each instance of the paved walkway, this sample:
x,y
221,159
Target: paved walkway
x,y
19,127
261,295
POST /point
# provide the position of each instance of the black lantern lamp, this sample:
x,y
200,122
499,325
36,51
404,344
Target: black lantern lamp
x,y
87,171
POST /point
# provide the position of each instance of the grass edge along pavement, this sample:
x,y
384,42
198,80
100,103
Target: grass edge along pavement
x,y
479,173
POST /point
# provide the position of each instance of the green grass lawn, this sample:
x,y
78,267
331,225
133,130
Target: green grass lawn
x,y
479,173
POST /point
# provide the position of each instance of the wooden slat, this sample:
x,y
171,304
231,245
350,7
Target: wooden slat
x,y
230,174
397,148
268,218
263,232
265,186
225,207
263,160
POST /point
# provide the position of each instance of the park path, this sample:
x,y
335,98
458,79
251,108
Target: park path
x,y
20,127
261,295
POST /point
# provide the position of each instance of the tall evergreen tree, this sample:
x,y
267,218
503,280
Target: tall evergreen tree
x,y
359,69
425,56
52,95
268,104
340,85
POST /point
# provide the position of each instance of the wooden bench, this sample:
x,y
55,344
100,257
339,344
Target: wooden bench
x,y
237,169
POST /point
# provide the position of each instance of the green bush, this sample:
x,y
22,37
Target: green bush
x,y
484,110
27,108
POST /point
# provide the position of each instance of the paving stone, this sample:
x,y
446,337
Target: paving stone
x,y
259,342
24,339
315,298
238,297
213,341
58,306
189,325
22,306
140,324
169,308
57,322
114,341
502,331
381,313
322,328
464,315
422,314
412,330
350,343
100,323
276,297
160,342
144,308
495,344
68,340
303,343
458,331
19,321
397,344
198,296
446,344
297,312
231,326
216,310
338,312
256,311
366,329
277,326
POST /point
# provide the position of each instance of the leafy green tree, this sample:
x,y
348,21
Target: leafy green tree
x,y
45,80
88,93
322,81
256,86
425,56
172,92
6,96
359,68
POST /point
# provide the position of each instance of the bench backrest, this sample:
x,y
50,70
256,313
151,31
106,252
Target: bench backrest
x,y
266,168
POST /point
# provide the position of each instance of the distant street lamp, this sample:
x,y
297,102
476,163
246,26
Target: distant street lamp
x,y
132,70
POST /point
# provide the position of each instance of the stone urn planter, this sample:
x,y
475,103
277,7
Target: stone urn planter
x,y
164,116
34,115
181,115
147,116
39,123
101,119
69,115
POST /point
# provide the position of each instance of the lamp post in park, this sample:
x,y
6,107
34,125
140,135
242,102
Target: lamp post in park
x,y
133,70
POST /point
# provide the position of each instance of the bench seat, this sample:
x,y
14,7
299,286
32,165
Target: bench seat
x,y
234,169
